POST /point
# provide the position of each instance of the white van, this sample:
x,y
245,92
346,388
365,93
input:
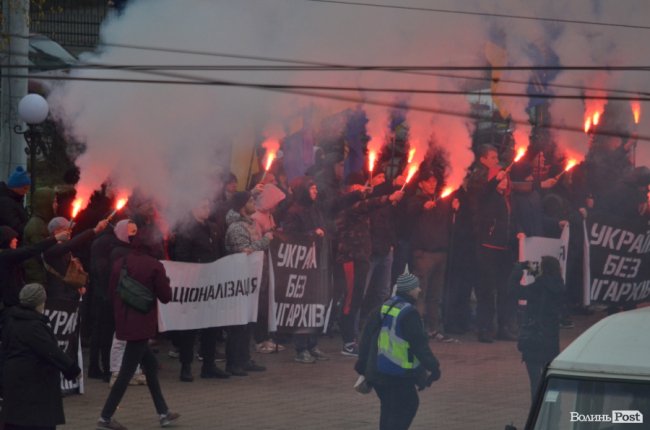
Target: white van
x,y
601,381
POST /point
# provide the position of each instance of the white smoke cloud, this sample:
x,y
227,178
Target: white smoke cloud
x,y
168,139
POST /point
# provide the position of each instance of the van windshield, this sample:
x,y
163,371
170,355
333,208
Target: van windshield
x,y
581,404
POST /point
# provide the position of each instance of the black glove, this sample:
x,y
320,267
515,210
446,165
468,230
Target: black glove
x,y
72,373
433,377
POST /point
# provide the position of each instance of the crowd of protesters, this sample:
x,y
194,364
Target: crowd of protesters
x,y
373,227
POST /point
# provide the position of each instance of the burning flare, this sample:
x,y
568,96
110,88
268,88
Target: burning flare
x,y
446,192
76,207
636,111
269,161
372,159
412,169
411,155
118,207
587,124
520,154
570,164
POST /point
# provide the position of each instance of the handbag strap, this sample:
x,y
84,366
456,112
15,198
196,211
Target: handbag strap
x,y
50,269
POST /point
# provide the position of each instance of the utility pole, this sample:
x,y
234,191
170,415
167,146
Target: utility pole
x,y
15,18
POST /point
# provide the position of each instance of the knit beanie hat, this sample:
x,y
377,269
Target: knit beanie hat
x,y
57,223
7,234
406,282
32,295
18,178
121,230
239,200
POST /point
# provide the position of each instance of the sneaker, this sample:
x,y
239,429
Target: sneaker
x,y
198,357
265,347
318,354
186,373
168,418
173,353
441,337
350,350
304,357
109,424
139,379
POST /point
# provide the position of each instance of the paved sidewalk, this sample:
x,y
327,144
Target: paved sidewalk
x,y
483,386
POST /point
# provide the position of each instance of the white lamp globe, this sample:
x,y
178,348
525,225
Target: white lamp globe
x,y
33,109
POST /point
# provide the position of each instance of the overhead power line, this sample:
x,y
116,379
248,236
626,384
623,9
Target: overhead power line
x,y
484,14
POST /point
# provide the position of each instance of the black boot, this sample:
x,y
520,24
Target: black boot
x,y
209,370
186,373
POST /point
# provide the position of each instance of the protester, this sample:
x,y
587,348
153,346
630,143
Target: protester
x,y
44,207
197,240
12,200
304,217
431,219
495,227
242,236
539,336
394,355
11,259
353,252
32,364
136,329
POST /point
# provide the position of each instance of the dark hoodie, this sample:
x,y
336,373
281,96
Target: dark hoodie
x,y
36,231
12,209
303,216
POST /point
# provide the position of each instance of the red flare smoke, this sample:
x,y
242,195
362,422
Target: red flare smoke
x,y
372,158
411,155
269,160
636,111
446,192
76,207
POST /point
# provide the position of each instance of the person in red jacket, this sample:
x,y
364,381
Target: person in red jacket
x,y
136,329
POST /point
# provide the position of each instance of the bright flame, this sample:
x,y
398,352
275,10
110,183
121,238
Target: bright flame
x,y
595,118
412,169
520,153
269,160
372,158
121,203
446,192
636,111
76,207
571,164
587,124
411,155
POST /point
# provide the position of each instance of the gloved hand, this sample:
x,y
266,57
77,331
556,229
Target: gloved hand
x,y
433,377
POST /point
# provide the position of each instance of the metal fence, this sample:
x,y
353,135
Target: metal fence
x,y
72,23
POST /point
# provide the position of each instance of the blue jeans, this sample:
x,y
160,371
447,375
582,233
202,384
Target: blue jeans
x,y
377,289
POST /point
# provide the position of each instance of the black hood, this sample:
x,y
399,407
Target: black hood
x,y
300,187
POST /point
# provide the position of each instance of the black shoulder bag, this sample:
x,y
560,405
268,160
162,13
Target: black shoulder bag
x,y
133,293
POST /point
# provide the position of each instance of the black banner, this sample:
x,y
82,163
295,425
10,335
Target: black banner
x,y
299,282
64,320
617,253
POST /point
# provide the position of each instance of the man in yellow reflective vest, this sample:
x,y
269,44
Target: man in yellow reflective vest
x,y
394,355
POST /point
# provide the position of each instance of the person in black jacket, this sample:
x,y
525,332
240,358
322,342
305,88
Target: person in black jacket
x,y
32,365
12,200
198,241
431,219
396,384
539,335
11,257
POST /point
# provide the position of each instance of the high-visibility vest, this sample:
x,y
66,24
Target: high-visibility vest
x,y
393,351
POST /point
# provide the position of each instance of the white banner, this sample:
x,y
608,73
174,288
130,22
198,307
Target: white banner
x,y
216,294
534,248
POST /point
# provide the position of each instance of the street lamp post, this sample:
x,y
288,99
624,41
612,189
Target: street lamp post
x,y
33,110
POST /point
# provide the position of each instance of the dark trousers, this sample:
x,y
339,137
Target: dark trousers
x,y
377,288
430,268
399,404
102,336
136,352
462,270
304,342
238,345
184,341
492,295
535,369
355,282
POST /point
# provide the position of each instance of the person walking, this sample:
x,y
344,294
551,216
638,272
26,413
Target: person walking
x,y
136,329
32,364
394,355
